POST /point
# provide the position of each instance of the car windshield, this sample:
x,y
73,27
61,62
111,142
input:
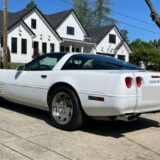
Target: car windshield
x,y
97,62
45,62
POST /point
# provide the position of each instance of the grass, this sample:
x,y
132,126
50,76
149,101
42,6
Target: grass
x,y
15,65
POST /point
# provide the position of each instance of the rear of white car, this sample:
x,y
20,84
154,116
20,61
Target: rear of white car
x,y
148,93
127,94
70,84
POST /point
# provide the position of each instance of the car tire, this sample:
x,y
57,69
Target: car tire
x,y
65,109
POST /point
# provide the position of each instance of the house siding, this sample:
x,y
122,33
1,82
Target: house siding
x,y
123,51
20,33
105,47
42,32
71,21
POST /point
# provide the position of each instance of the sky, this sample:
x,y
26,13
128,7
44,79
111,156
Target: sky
x,y
132,15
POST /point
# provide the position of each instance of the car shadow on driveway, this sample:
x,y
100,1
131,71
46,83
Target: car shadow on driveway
x,y
114,129
118,129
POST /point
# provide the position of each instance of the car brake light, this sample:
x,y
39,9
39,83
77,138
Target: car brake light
x,y
128,81
138,81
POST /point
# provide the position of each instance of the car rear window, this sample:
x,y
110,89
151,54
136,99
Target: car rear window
x,y
97,62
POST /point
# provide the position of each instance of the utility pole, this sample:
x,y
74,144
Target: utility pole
x,y
154,14
5,29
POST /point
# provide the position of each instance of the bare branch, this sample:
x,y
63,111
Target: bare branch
x,y
154,14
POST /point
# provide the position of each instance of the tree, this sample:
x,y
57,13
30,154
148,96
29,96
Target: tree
x,y
156,43
101,11
146,53
154,15
83,11
31,4
95,15
124,34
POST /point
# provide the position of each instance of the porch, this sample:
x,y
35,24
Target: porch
x,y
70,45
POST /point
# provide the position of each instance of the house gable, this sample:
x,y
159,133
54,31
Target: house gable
x,y
104,46
42,23
20,31
44,33
73,22
123,51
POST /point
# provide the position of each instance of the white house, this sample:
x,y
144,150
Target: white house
x,y
110,42
29,30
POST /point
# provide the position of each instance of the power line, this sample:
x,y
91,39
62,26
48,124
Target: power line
x,y
124,15
125,23
134,26
67,2
133,18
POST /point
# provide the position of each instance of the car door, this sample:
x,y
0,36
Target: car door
x,y
29,86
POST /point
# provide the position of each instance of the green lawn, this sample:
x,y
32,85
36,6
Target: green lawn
x,y
15,65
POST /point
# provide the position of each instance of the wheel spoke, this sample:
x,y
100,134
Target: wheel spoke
x,y
62,108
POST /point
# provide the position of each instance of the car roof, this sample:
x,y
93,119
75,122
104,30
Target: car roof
x,y
102,58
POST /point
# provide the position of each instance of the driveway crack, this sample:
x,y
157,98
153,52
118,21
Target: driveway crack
x,y
16,151
142,146
34,144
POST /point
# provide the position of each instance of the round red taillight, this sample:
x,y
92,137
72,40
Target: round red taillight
x,y
138,81
128,81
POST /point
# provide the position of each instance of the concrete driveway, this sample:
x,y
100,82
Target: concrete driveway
x,y
26,133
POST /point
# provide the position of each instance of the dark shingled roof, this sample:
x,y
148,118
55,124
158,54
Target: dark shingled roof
x,y
97,34
119,45
54,19
15,17
57,18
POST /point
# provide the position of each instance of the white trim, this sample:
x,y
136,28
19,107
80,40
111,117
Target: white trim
x,y
50,28
78,41
80,25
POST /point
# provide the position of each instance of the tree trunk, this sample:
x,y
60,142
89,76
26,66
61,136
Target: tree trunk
x,y
154,14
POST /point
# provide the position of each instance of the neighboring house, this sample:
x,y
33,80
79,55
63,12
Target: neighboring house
x,y
30,30
110,42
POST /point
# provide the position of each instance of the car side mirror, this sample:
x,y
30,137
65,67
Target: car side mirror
x,y
20,68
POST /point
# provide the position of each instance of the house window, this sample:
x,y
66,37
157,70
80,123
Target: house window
x,y
77,50
112,38
121,57
1,41
67,49
24,46
35,45
62,48
70,30
14,45
44,47
52,47
33,23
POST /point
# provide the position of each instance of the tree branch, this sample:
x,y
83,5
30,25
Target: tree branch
x,y
154,14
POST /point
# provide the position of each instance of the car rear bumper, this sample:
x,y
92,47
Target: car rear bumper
x,y
116,105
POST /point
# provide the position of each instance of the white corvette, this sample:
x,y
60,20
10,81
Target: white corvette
x,y
71,86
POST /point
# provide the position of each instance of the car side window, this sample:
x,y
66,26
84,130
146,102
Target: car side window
x,y
74,63
77,62
46,62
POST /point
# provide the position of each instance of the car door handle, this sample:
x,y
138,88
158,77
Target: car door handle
x,y
43,76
